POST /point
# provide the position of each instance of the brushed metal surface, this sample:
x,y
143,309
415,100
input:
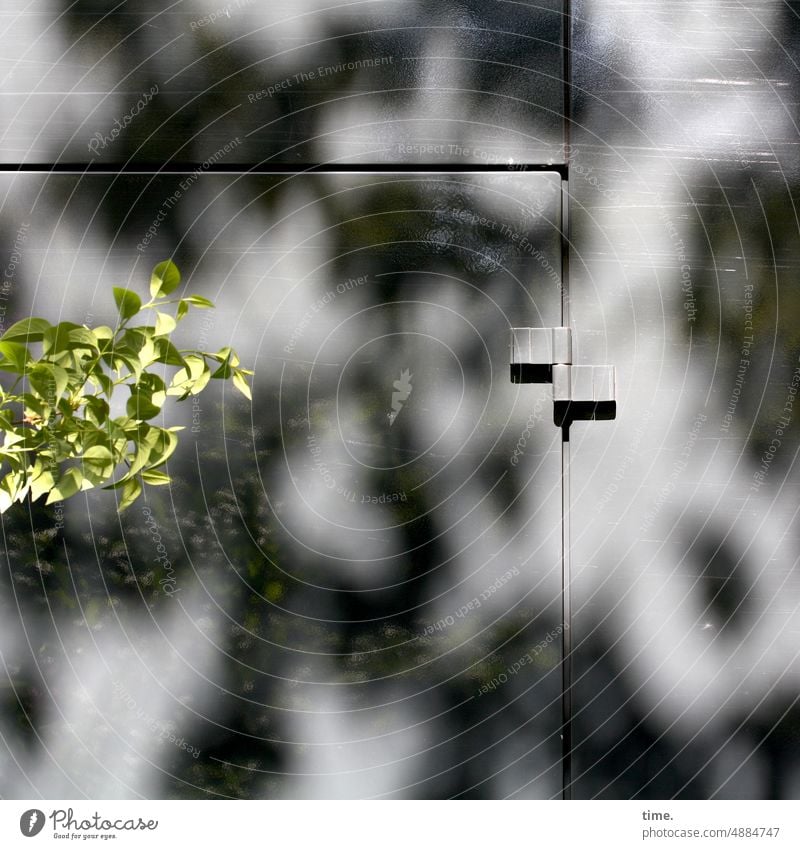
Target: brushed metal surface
x,y
685,587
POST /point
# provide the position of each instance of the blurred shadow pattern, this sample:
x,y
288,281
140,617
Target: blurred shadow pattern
x,y
363,599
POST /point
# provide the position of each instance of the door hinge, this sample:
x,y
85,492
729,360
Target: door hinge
x,y
544,355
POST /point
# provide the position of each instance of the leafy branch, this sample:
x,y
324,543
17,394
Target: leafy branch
x,y
59,436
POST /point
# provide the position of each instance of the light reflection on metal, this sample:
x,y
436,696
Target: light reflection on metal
x,y
580,392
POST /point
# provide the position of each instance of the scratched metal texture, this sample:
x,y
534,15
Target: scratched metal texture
x,y
294,670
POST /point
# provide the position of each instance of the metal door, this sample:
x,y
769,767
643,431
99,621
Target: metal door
x,y
368,562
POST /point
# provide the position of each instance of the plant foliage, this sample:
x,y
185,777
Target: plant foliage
x,y
60,437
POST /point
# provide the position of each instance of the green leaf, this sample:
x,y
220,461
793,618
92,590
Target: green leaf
x,y
13,456
98,454
68,336
96,410
145,449
103,332
28,330
14,437
128,303
99,435
164,448
201,382
199,302
131,490
165,324
227,355
153,384
98,464
34,406
241,384
105,338
69,483
134,339
82,337
41,481
148,353
194,374
229,360
103,381
7,492
195,301
15,356
168,353
14,482
24,487
156,478
48,381
57,338
164,279
223,372
147,397
141,406
153,446
126,357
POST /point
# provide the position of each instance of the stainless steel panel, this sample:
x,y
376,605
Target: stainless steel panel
x,y
293,82
359,559
684,186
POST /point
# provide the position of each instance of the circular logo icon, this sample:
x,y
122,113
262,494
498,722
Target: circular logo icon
x,y
31,822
